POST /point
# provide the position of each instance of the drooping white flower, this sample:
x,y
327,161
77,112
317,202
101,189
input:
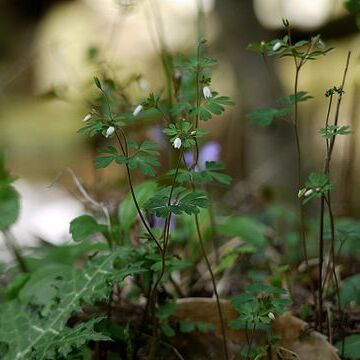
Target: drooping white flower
x,y
308,192
271,316
177,143
87,117
110,130
137,110
207,92
277,46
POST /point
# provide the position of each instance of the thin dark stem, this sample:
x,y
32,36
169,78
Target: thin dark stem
x,y
222,322
322,215
321,263
166,232
332,260
197,80
146,225
214,234
251,341
299,171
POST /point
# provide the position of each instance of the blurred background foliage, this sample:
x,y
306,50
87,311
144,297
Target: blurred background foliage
x,y
51,49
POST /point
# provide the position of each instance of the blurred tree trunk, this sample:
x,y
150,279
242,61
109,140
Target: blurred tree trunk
x,y
258,86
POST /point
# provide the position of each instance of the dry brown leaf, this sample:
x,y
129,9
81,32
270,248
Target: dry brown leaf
x,y
295,343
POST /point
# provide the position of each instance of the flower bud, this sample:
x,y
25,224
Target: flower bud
x,y
271,316
277,46
110,130
177,143
308,192
137,110
207,92
87,118
193,133
301,193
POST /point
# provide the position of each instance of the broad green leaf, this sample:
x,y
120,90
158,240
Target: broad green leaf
x,y
292,99
127,211
166,310
351,347
265,116
350,290
13,288
249,229
85,226
9,206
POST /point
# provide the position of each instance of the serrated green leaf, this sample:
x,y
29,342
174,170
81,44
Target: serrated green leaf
x,y
29,335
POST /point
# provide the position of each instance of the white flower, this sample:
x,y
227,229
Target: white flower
x,y
137,110
177,143
271,316
207,92
87,117
110,130
308,192
277,46
193,133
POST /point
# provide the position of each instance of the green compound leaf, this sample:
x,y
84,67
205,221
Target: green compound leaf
x,y
143,158
211,106
316,185
94,127
333,130
187,202
211,173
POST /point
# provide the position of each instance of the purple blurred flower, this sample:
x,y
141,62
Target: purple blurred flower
x,y
159,222
156,134
209,152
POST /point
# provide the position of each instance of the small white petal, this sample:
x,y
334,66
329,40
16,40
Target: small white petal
x,y
177,143
137,110
308,192
87,118
271,316
277,46
207,92
193,133
109,131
